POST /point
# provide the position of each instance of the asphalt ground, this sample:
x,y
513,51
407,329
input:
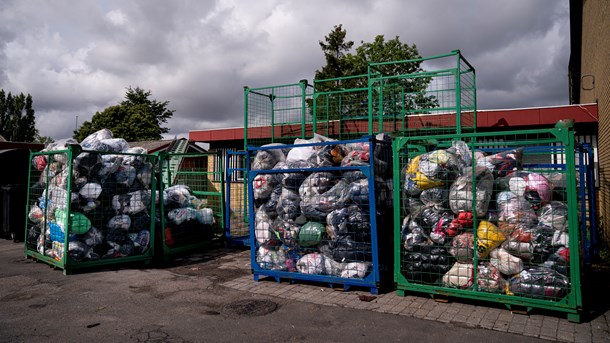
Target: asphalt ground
x,y
210,296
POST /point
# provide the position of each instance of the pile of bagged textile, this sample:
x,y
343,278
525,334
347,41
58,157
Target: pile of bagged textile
x,y
312,204
462,207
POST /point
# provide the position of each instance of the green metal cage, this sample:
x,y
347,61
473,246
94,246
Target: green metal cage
x,y
90,208
489,216
277,114
431,95
191,201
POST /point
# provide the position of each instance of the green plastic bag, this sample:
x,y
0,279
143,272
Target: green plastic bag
x,y
311,234
79,223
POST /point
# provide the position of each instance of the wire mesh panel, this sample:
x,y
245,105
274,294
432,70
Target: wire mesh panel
x,y
191,203
311,216
277,113
90,208
341,107
489,216
237,217
433,95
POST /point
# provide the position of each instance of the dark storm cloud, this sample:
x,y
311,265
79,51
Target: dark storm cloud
x,y
77,57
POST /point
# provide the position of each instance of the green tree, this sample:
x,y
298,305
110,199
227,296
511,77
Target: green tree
x,y
17,119
335,48
348,97
137,118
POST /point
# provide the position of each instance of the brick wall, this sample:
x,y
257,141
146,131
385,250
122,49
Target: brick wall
x,y
595,87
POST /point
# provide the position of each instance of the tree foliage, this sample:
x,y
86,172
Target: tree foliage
x,y
17,120
348,72
137,118
335,48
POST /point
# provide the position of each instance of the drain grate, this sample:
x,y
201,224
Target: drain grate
x,y
250,308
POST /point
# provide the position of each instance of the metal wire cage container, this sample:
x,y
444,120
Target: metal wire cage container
x,y
90,208
489,216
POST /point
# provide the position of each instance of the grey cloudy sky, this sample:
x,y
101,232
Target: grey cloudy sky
x,y
78,57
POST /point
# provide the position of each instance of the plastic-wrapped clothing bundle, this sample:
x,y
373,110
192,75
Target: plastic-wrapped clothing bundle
x,y
131,203
346,249
92,237
461,150
318,206
440,165
560,238
327,156
262,227
39,162
303,153
180,215
429,217
311,234
87,163
460,193
539,283
514,213
125,175
57,233
525,234
534,187
110,164
134,160
555,215
417,181
288,206
523,250
293,180
270,205
435,196
461,275
489,278
178,194
348,221
502,163
35,215
441,229
354,270
413,205
262,186
271,259
559,261
462,247
356,193
60,179
121,221
103,140
61,144
413,235
78,251
315,263
79,223
90,192
144,174
284,232
316,183
55,197
141,241
488,237
267,159
426,263
507,264
91,141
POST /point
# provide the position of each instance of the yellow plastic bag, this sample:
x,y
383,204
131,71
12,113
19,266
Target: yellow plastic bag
x,y
488,237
